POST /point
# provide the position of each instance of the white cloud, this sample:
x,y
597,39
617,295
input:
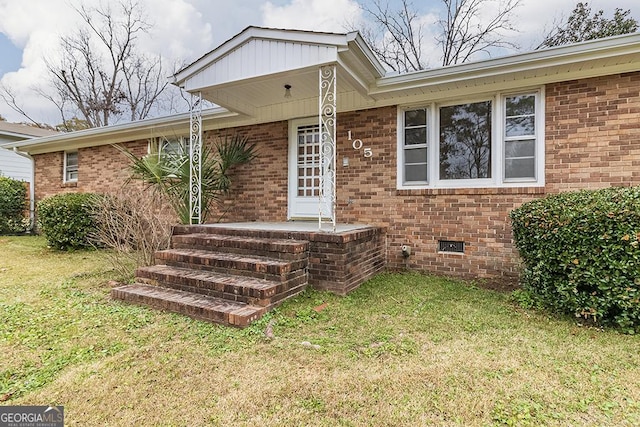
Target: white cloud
x,y
313,15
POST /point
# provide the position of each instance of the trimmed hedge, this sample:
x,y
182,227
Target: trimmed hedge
x,y
66,220
13,205
581,254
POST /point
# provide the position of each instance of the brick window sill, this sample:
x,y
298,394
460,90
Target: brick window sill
x,y
70,184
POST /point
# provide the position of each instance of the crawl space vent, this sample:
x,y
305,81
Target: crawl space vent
x,y
451,246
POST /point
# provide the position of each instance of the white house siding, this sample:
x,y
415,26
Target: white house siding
x,y
258,58
14,166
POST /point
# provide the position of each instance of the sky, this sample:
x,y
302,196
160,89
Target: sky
x,y
183,30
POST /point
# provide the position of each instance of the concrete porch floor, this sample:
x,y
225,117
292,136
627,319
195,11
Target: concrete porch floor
x,y
290,226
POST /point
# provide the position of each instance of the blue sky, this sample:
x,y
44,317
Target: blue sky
x,y
183,30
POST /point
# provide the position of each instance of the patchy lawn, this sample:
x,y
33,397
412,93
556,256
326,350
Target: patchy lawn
x,y
404,349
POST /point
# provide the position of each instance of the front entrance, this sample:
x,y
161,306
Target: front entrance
x,y
304,170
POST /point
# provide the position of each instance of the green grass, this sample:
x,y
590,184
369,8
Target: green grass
x,y
404,349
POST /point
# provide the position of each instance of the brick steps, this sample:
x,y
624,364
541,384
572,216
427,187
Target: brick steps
x,y
249,290
227,278
254,266
274,248
198,306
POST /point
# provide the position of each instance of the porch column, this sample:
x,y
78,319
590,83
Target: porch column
x,y
195,160
327,113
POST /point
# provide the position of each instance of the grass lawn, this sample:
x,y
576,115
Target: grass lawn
x,y
404,349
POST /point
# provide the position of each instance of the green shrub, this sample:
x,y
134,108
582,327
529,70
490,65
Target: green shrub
x,y
66,220
581,254
13,205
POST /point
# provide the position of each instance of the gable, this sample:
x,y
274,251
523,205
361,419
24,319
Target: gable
x,y
261,57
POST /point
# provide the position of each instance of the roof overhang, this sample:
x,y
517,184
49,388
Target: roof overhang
x,y
258,97
248,73
602,57
166,127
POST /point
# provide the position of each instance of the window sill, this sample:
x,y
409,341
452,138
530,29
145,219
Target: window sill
x,y
70,184
468,191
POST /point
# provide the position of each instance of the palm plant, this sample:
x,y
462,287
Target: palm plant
x,y
167,171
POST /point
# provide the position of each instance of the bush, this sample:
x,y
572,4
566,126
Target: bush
x,y
66,220
13,204
581,254
134,224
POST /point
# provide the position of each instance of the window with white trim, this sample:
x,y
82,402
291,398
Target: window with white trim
x,y
71,166
177,146
497,141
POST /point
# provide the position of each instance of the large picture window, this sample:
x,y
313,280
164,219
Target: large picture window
x,y
490,142
465,141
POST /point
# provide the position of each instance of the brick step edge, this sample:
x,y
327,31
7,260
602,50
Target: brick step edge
x,y
198,306
245,289
256,266
273,248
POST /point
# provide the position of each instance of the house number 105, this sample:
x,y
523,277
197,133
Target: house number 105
x,y
357,145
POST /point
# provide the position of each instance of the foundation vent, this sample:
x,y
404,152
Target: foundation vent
x,y
451,246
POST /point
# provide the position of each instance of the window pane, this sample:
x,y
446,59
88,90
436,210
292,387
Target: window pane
x,y
520,148
415,136
521,105
465,141
415,118
519,126
415,173
519,168
418,155
72,159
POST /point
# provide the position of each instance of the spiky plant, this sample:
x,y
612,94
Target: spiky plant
x,y
168,171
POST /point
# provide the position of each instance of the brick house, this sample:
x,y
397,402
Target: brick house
x,y
437,158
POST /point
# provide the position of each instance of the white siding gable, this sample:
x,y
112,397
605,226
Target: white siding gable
x,y
261,57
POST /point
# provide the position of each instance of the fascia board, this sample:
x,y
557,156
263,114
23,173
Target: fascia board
x,y
605,48
114,134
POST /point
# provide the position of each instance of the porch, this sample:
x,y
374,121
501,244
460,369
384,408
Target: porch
x,y
233,273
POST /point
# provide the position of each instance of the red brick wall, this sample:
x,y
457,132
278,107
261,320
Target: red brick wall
x,y
259,188
593,133
101,169
592,140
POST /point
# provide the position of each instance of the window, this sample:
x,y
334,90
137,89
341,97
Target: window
x,y
520,137
71,166
465,141
175,146
496,141
415,145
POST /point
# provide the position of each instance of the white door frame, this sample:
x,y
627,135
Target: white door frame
x,y
301,207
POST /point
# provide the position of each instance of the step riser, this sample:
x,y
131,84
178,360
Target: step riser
x,y
283,251
238,318
277,273
230,277
260,297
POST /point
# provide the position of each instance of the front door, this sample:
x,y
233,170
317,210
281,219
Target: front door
x,y
304,169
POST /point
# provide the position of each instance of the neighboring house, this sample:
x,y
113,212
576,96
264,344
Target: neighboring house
x,y
13,165
438,157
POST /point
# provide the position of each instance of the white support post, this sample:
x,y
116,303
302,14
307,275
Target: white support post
x,y
195,160
327,118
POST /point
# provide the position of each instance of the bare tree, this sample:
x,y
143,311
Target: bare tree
x,y
10,98
101,75
397,38
464,31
